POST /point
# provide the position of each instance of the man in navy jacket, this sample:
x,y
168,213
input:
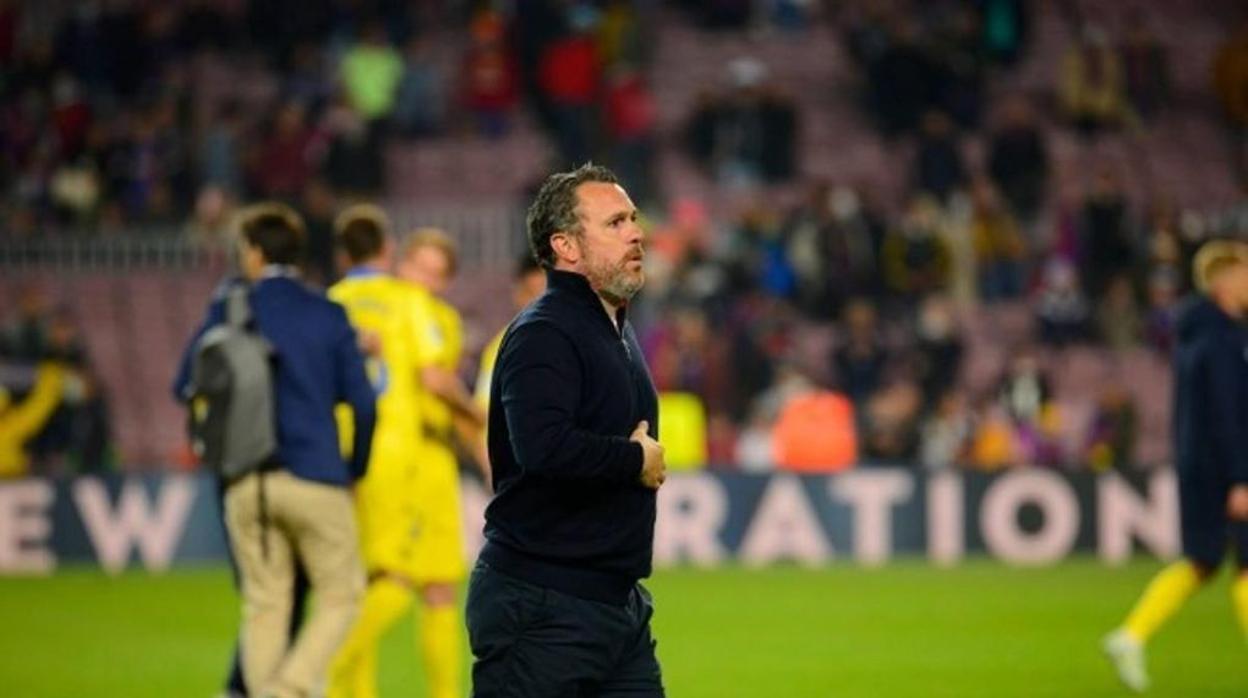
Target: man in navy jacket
x,y
299,510
1210,454
554,604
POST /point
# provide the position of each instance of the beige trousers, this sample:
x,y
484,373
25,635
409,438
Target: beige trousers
x,y
315,524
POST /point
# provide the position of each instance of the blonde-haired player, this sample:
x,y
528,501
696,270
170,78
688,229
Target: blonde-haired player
x,y
390,318
427,260
1210,455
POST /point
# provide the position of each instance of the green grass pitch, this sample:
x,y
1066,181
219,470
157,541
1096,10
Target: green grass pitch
x,y
903,630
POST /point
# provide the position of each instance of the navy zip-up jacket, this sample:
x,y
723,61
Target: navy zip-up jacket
x,y
570,512
318,365
1211,398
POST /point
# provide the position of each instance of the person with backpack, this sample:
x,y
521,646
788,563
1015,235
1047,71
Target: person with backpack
x,y
262,377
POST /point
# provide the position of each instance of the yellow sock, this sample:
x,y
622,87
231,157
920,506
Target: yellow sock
x,y
1163,597
354,670
440,646
1239,598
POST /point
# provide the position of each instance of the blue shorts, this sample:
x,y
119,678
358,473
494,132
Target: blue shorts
x,y
1207,531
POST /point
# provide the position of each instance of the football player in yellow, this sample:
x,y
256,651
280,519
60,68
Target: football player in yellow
x,y
389,317
427,260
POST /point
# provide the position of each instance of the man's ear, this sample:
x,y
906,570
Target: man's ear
x,y
566,247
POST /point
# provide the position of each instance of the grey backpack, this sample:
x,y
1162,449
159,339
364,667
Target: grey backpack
x,y
232,415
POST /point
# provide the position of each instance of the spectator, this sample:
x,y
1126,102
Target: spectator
x,y
1005,28
1118,315
890,426
318,206
1110,441
834,247
915,257
1000,250
685,357
371,70
1092,90
220,151
631,120
22,420
860,360
1146,65
1025,390
354,163
993,447
945,437
570,77
1108,248
939,349
1061,308
488,77
420,98
899,79
1018,159
285,160
1160,323
1230,74
938,162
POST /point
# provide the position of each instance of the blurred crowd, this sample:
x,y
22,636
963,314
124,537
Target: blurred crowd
x,y
107,123
54,414
121,116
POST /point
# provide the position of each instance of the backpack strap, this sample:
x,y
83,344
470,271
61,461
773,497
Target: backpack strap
x,y
237,308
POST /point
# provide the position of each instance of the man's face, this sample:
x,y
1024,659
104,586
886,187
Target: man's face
x,y
427,266
610,243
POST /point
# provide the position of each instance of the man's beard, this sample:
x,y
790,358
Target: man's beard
x,y
615,283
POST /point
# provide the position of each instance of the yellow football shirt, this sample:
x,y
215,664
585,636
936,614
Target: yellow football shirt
x,y
443,335
391,311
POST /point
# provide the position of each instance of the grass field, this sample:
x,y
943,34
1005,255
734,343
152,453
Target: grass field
x,y
904,630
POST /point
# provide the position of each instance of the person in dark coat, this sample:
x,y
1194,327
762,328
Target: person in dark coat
x,y
1210,454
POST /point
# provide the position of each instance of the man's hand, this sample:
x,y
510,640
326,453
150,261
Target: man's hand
x,y
653,468
370,343
1237,503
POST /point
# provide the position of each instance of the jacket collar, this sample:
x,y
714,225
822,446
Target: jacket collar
x,y
576,286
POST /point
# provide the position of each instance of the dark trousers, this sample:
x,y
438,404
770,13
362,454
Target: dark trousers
x,y
532,642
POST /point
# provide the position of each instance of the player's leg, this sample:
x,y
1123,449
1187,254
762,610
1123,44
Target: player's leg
x,y
354,669
1239,586
440,640
386,522
439,560
637,673
1204,529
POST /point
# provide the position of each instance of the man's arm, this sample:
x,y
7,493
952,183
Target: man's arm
x,y
540,378
447,386
214,316
1223,381
354,389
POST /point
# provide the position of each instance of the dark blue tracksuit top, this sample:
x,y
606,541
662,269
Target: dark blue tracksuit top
x,y
1210,401
568,389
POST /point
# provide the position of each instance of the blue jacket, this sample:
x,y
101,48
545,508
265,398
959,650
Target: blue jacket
x,y
1211,397
318,365
570,512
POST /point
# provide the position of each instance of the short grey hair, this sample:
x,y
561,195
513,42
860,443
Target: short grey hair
x,y
554,208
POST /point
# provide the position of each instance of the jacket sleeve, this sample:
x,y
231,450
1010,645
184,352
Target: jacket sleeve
x,y
214,316
540,379
353,388
1226,374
